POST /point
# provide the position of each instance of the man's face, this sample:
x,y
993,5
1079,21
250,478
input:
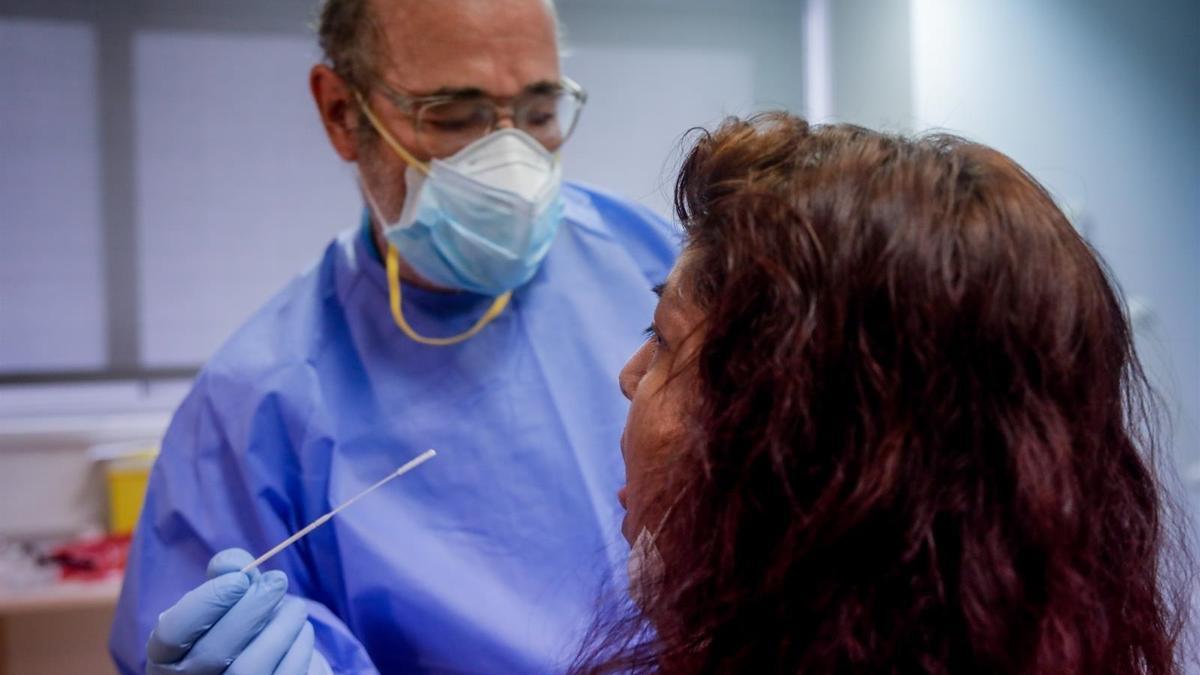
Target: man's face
x,y
496,47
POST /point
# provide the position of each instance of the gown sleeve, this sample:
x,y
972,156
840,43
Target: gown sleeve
x,y
227,476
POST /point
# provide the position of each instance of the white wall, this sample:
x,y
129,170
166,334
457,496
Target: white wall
x,y
51,300
657,69
871,63
237,187
1100,99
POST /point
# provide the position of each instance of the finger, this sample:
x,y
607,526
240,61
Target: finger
x,y
196,612
218,648
298,658
266,651
231,560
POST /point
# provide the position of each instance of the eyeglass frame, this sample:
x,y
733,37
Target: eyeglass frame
x,y
413,105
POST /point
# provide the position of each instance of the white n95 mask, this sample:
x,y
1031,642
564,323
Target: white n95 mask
x,y
645,566
483,219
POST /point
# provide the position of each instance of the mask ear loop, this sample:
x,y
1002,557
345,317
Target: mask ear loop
x,y
395,295
405,155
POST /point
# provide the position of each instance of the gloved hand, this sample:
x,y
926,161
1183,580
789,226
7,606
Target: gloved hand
x,y
241,624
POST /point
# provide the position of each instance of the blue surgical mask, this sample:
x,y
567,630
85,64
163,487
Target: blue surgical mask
x,y
483,219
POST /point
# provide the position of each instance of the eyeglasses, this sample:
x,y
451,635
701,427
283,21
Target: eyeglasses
x,y
448,123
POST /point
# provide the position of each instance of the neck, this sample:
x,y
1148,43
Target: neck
x,y
407,273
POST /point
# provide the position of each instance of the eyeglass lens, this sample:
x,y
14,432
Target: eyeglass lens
x,y
446,127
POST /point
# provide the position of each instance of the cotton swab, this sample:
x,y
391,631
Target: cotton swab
x,y
409,466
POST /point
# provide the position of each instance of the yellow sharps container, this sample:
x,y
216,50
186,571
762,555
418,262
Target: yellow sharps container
x,y
127,477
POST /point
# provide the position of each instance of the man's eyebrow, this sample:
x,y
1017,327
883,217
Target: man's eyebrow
x,y
540,87
658,289
455,92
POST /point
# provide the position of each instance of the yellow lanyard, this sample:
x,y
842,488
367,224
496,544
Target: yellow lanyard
x,y
394,295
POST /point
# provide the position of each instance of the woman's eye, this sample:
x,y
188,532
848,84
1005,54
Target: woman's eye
x,y
651,332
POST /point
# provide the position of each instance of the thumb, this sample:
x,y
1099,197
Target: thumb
x,y
231,560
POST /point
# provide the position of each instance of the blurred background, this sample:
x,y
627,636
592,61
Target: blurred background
x,y
163,172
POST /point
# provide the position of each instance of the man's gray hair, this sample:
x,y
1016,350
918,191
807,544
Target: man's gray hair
x,y
348,34
347,37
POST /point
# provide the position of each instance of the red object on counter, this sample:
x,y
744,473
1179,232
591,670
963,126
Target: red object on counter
x,y
93,558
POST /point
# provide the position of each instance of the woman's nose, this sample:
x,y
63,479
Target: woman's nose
x,y
628,382
632,373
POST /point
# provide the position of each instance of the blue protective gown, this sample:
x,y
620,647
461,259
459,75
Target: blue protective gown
x,y
487,558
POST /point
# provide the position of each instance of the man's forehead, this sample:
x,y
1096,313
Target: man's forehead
x,y
493,45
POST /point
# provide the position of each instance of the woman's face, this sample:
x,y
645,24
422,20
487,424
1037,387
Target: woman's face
x,y
659,381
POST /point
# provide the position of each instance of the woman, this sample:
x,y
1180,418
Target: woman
x,y
886,422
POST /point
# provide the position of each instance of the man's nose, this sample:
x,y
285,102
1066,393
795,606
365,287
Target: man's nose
x,y
505,119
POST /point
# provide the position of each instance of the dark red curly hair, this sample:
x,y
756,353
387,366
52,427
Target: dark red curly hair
x,y
917,440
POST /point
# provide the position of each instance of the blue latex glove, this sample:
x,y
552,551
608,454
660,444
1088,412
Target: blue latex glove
x,y
235,623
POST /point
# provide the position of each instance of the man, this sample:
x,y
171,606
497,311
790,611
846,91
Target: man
x,y
479,310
